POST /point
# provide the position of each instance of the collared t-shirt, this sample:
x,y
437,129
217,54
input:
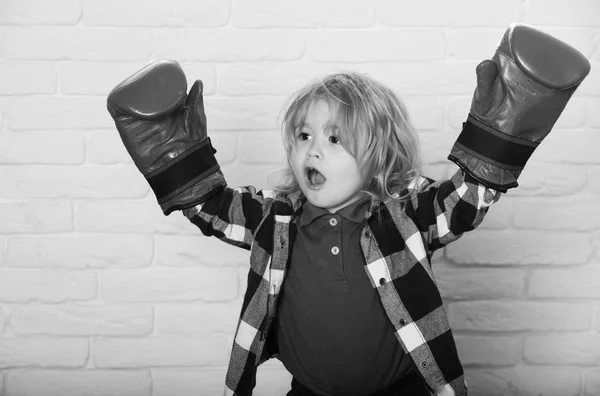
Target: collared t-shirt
x,y
333,334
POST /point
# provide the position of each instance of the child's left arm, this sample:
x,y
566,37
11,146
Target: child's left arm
x,y
520,94
445,210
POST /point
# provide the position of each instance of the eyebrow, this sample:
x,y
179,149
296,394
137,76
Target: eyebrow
x,y
300,125
327,125
331,126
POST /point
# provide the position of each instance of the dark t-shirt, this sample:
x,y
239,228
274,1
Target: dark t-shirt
x,y
333,333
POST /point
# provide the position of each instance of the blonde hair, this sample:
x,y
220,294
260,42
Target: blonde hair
x,y
374,128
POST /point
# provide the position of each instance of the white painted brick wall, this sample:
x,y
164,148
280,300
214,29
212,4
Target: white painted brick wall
x,y
101,294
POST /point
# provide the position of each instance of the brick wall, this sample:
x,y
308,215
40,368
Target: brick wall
x,y
101,294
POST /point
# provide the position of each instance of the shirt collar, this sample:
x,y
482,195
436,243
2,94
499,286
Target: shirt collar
x,y
355,212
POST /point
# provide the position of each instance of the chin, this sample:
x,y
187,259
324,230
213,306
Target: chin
x,y
327,205
315,201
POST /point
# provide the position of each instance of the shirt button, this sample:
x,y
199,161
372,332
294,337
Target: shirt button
x,y
402,322
335,250
333,221
425,364
382,281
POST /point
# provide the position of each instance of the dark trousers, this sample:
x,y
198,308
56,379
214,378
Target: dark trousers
x,y
410,385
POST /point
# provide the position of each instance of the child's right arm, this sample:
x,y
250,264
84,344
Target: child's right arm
x,y
232,215
165,132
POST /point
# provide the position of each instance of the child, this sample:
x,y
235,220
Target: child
x,y
340,287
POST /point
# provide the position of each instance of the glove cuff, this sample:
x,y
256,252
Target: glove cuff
x,y
494,147
200,191
492,157
185,170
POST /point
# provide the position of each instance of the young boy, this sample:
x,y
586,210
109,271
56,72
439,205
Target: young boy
x,y
340,287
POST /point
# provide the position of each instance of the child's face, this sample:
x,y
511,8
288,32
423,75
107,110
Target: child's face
x,y
327,174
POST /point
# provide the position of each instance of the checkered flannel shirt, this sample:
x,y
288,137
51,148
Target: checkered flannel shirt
x,y
397,242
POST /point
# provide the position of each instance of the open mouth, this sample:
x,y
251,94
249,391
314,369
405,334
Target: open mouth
x,y
314,178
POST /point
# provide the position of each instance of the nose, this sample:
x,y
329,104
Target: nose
x,y
314,150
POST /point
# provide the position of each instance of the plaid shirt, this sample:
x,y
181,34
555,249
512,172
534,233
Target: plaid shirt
x,y
397,242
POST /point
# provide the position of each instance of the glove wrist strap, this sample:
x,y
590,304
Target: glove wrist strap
x,y
187,169
493,147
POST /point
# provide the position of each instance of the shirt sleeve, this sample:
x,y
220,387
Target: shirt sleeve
x,y
445,210
232,214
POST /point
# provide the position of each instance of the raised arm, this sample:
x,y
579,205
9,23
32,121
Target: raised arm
x,y
445,210
232,214
164,131
520,94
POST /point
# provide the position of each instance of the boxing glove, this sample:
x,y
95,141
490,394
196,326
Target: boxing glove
x,y
520,94
164,132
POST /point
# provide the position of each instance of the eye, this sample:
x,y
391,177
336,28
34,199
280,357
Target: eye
x,y
334,139
303,136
